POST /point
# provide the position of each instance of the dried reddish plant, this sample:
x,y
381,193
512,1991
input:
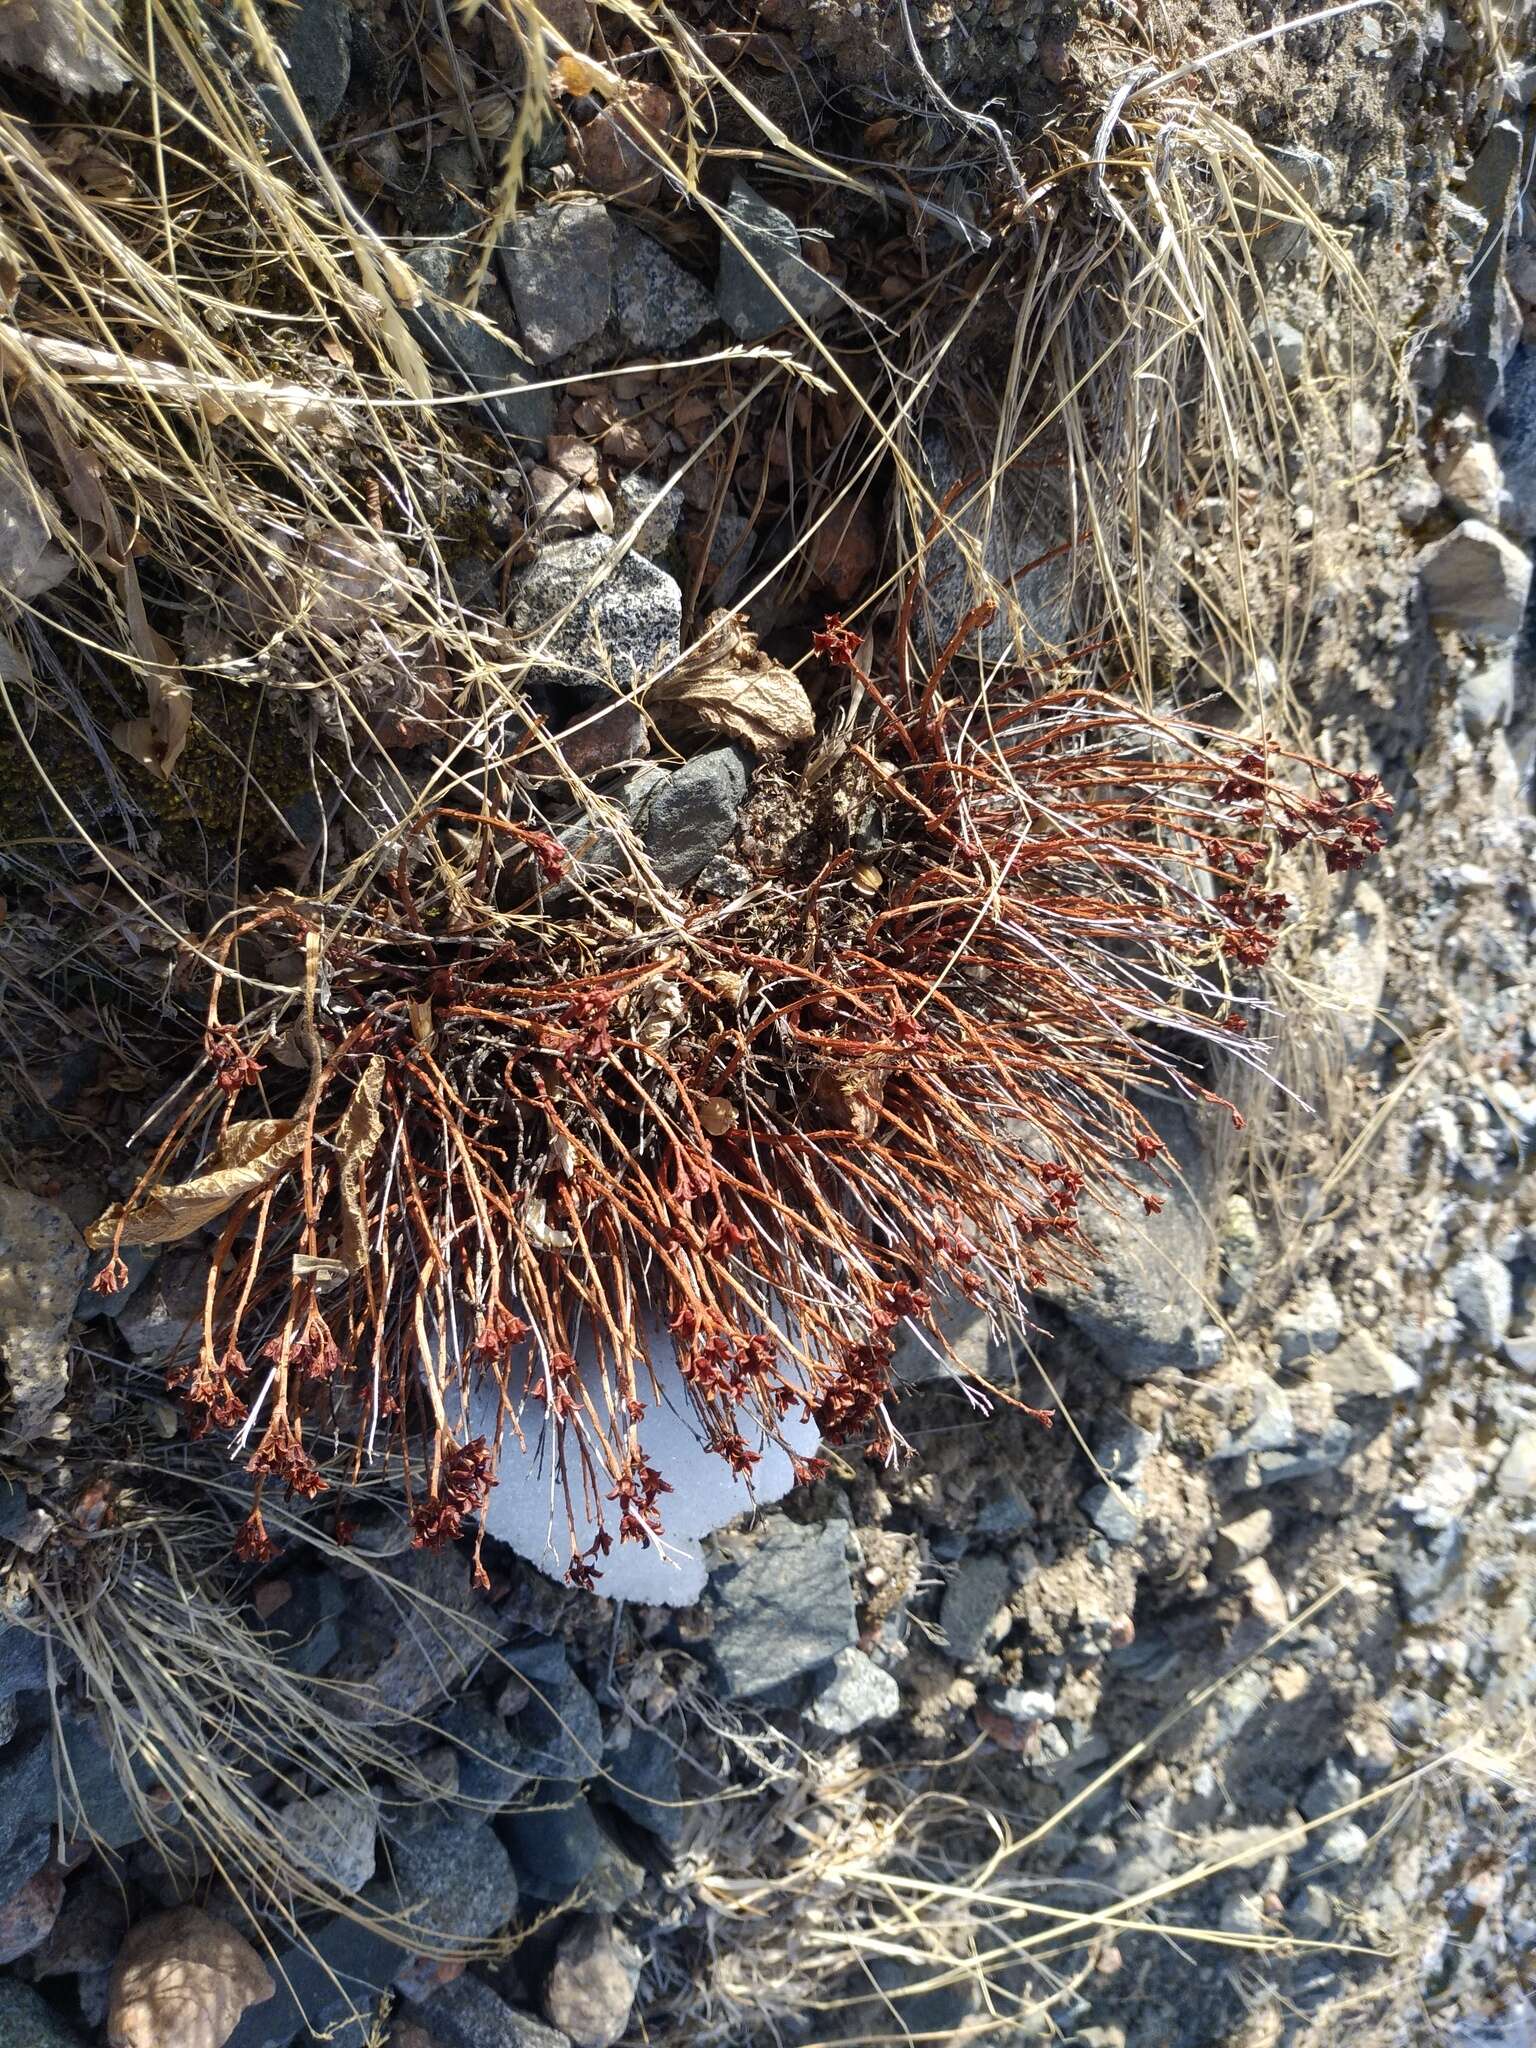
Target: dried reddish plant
x,y
890,1073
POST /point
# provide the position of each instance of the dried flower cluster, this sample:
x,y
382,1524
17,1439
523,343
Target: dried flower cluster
x,y
889,1073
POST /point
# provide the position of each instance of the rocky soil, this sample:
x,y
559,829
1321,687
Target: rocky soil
x,y
1185,1697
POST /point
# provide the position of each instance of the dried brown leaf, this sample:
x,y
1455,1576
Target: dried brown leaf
x,y
848,1099
357,1139
247,1156
726,684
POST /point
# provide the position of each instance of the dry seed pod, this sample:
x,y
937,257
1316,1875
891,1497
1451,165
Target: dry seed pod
x,y
718,1116
867,878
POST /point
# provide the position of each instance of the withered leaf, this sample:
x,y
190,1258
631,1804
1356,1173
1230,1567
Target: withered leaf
x,y
247,1156
357,1138
848,1099
726,684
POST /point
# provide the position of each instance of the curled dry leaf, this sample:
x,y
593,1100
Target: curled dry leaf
x,y
540,1231
182,1980
726,684
847,1099
357,1139
247,1156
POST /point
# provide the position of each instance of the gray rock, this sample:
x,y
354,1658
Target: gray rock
x,y
334,1835
479,358
1311,1914
1010,525
1317,1452
1241,1244
1481,346
1515,428
1344,1845
859,1695
42,1263
974,1601
1285,346
1143,1303
761,235
1309,1324
561,259
87,1792
1362,1369
493,1764
659,306
730,557
694,813
1116,1511
590,1990
165,1316
556,1843
1331,1790
1019,1703
1003,1515
1516,1478
1121,1447
469,2014
1270,1424
1476,579
316,38
28,2021
328,1988
1241,1540
449,1875
785,1609
559,1733
1485,695
1483,1292
641,1780
657,508
613,636
967,1332
306,1630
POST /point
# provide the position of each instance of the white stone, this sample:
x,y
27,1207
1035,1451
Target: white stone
x,y
527,1505
1517,1473
860,1693
1473,481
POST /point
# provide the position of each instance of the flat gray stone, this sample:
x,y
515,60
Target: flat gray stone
x,y
1516,1478
751,305
480,359
561,259
1363,1369
1483,1292
785,1609
973,1600
449,1875
1115,1511
641,1780
493,1764
694,813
